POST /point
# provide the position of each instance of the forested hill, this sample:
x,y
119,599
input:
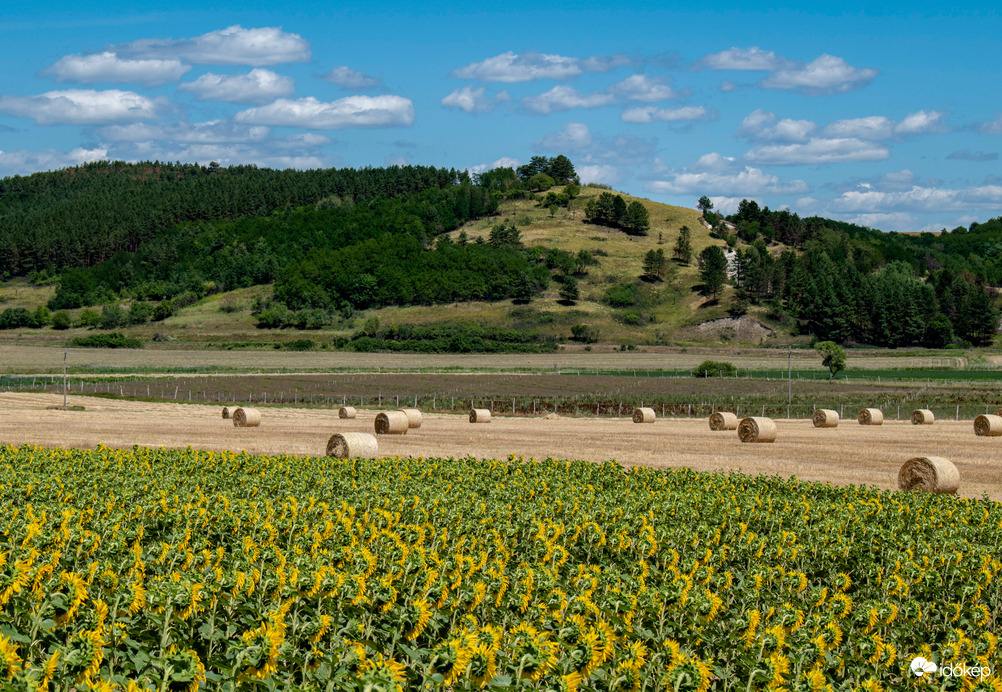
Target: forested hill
x,y
81,216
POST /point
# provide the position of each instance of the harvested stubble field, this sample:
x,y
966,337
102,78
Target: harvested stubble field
x,y
30,358
847,454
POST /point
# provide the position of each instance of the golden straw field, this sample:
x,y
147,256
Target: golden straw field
x,y
847,454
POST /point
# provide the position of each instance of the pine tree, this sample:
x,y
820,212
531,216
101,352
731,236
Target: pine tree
x,y
683,246
712,270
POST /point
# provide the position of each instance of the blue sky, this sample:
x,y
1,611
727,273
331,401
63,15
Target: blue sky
x,y
874,114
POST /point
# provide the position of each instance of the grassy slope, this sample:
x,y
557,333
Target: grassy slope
x,y
566,230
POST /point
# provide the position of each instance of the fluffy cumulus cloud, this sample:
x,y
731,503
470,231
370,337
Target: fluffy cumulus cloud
x,y
347,78
562,98
764,126
574,137
599,173
231,46
80,107
640,87
352,111
826,74
470,100
872,200
210,132
257,86
794,142
109,67
653,114
21,161
818,151
753,58
503,162
722,176
525,67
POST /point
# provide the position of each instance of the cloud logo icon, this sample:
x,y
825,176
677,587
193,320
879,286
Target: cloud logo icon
x,y
920,667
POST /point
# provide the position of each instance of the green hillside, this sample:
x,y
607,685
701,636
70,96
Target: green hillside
x,y
420,258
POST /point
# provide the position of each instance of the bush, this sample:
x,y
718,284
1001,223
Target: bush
x,y
714,368
61,320
112,340
88,318
15,318
112,316
300,345
622,296
632,317
584,333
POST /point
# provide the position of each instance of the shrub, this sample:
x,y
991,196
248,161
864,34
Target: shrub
x,y
61,320
88,318
15,318
622,296
584,333
111,340
714,368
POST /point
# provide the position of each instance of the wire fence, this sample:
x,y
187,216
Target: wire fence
x,y
588,405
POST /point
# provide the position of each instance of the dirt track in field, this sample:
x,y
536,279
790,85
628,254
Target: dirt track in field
x,y
850,453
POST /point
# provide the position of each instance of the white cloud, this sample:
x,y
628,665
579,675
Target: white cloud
x,y
599,173
347,78
826,74
895,221
352,111
921,122
717,175
506,162
561,98
918,198
525,67
727,85
257,86
80,107
818,151
108,67
231,46
469,99
766,127
22,161
210,132
753,58
874,127
652,114
713,162
640,87
992,127
574,137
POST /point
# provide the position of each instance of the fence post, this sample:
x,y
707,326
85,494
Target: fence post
x,y
958,411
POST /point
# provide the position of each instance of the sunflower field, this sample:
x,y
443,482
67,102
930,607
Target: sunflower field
x,y
154,569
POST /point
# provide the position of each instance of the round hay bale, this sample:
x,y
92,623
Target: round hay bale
x,y
757,430
825,418
413,417
352,445
643,415
391,423
988,426
870,416
931,474
922,416
228,412
480,415
346,412
723,420
998,412
246,418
